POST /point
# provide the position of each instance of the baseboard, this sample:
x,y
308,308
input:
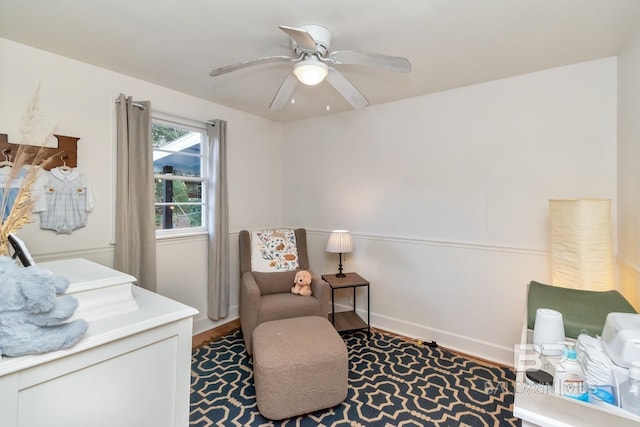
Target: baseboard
x,y
455,342
201,323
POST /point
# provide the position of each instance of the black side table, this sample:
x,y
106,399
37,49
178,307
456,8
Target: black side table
x,y
348,320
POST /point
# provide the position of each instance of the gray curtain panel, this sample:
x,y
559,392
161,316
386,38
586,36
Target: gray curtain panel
x,y
135,251
218,222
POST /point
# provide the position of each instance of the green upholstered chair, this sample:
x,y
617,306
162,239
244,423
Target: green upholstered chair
x,y
582,311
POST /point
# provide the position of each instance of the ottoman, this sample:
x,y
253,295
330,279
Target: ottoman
x,y
299,366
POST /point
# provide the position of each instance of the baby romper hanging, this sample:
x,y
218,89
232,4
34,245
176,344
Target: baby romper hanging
x,y
10,188
69,201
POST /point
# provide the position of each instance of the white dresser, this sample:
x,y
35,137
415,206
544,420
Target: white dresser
x,y
131,369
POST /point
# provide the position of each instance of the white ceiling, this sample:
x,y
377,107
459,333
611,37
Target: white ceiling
x,y
450,43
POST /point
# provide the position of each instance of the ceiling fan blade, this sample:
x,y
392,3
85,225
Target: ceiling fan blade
x,y
284,93
251,63
346,89
391,63
302,38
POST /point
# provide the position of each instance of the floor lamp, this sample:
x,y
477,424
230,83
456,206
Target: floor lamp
x,y
581,252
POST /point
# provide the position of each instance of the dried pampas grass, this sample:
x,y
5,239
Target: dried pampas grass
x,y
20,213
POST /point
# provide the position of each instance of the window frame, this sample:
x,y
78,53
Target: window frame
x,y
189,125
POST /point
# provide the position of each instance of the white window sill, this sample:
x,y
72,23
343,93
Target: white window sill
x,y
181,234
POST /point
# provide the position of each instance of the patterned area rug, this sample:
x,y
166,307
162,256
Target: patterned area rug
x,y
392,382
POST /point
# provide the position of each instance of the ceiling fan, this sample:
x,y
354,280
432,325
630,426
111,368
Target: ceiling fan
x,y
314,62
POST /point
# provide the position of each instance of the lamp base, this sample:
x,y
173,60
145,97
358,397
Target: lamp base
x,y
340,273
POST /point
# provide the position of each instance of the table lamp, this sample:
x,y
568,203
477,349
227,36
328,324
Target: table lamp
x,y
340,242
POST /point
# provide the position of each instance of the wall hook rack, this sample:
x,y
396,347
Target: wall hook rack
x,y
66,154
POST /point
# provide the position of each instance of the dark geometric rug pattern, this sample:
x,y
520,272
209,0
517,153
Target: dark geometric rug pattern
x,y
392,382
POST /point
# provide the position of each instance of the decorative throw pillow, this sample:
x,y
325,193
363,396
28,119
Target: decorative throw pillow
x,y
274,250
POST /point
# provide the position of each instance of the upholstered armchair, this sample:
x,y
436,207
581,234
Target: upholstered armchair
x,y
266,295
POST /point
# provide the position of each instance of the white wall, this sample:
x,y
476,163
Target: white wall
x,y
80,98
628,170
447,195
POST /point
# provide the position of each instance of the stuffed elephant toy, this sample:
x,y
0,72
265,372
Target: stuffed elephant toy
x,y
32,315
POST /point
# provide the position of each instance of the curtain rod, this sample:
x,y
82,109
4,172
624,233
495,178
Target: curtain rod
x,y
135,104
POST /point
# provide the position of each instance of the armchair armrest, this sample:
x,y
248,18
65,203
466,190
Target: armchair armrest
x,y
249,306
321,290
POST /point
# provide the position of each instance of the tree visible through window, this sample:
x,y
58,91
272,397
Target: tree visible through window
x,y
178,164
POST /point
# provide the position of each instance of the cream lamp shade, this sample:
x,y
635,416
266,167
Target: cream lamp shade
x,y
581,252
340,242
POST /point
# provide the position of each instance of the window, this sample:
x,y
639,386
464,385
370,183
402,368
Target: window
x,y
179,167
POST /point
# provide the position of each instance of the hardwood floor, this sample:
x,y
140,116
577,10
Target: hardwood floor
x,y
212,334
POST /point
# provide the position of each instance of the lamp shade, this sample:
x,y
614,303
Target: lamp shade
x,y
310,71
581,252
340,242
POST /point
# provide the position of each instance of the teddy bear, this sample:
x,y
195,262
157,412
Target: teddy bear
x,y
302,283
32,315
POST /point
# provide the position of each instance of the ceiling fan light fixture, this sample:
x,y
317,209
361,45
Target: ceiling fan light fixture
x,y
311,71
